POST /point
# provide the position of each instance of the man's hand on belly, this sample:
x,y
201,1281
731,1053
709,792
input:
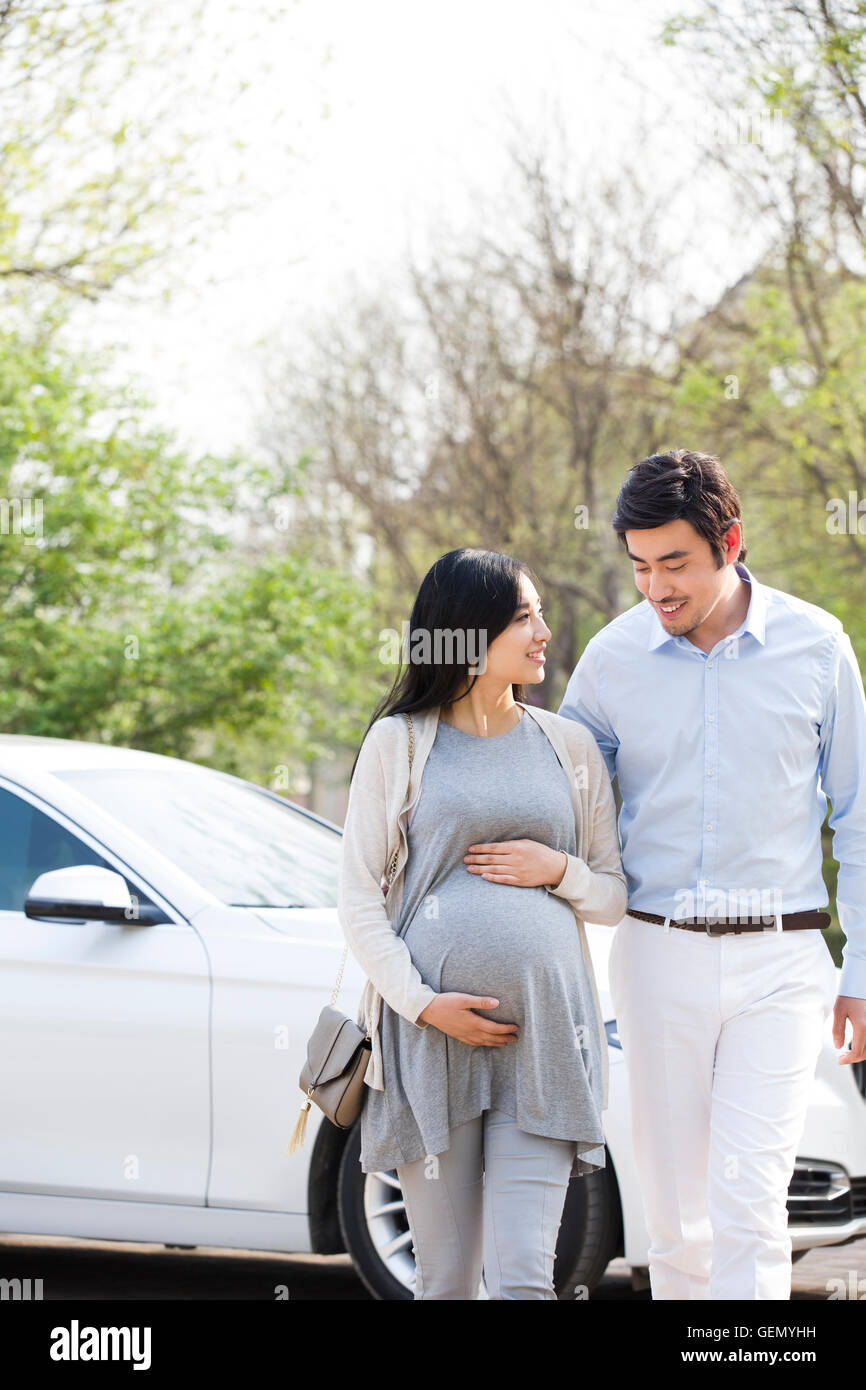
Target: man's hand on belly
x,y
526,863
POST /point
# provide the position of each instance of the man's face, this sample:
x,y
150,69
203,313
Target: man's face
x,y
674,567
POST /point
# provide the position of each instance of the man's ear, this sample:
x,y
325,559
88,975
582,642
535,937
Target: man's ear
x,y
733,540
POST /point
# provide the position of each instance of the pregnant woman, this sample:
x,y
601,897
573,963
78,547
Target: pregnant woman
x,y
489,1063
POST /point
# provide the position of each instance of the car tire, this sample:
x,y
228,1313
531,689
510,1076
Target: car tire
x,y
590,1233
360,1196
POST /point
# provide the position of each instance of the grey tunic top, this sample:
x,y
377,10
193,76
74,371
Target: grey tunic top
x,y
518,945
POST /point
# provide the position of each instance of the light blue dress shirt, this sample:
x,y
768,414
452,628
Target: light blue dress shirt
x,y
723,759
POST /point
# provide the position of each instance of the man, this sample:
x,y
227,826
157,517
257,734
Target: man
x,y
726,709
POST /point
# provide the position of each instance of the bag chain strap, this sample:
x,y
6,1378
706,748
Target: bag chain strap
x,y
391,872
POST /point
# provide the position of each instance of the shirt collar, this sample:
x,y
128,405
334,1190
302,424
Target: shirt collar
x,y
755,620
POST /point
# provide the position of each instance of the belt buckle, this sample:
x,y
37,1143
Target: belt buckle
x,y
745,925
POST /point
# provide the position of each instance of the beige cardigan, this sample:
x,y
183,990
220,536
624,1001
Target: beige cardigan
x,y
375,826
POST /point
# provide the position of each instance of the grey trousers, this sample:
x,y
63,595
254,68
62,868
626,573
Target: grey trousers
x,y
494,1199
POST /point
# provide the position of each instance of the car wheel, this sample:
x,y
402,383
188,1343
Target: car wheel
x,y
376,1229
590,1233
374,1225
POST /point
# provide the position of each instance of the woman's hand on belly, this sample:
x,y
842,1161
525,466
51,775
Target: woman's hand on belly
x,y
454,1014
525,863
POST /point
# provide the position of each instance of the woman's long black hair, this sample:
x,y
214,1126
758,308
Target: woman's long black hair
x,y
467,589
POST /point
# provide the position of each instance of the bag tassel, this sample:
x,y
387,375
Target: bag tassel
x,y
300,1129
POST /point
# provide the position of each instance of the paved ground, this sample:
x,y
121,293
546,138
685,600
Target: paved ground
x,y
73,1269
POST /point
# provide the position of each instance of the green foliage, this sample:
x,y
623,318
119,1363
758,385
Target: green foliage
x,y
136,607
128,614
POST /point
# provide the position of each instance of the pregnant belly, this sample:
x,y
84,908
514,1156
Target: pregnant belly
x,y
519,945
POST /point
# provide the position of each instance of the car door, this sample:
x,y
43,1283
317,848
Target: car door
x,y
104,1085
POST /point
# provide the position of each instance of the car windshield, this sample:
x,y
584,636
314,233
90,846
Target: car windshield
x,y
236,840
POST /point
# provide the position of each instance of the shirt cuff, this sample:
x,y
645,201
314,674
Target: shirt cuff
x,y
574,881
419,1022
852,980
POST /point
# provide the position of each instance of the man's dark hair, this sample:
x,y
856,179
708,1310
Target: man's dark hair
x,y
679,486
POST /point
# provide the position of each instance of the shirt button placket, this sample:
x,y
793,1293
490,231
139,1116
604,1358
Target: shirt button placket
x,y
711,770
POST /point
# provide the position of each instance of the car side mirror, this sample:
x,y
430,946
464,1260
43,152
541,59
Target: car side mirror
x,y
86,893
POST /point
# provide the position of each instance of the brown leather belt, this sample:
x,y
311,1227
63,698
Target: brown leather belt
x,y
719,926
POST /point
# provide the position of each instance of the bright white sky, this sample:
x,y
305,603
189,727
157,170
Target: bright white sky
x,y
418,99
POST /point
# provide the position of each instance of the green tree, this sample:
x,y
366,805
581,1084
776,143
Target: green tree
x,y
130,614
107,108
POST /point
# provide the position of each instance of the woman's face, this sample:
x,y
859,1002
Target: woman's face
x,y
510,658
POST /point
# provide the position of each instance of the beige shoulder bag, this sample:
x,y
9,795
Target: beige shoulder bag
x,y
338,1050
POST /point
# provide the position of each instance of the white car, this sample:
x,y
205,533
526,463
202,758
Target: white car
x,y
169,936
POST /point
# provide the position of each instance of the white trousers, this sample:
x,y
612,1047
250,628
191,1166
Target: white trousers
x,y
720,1036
